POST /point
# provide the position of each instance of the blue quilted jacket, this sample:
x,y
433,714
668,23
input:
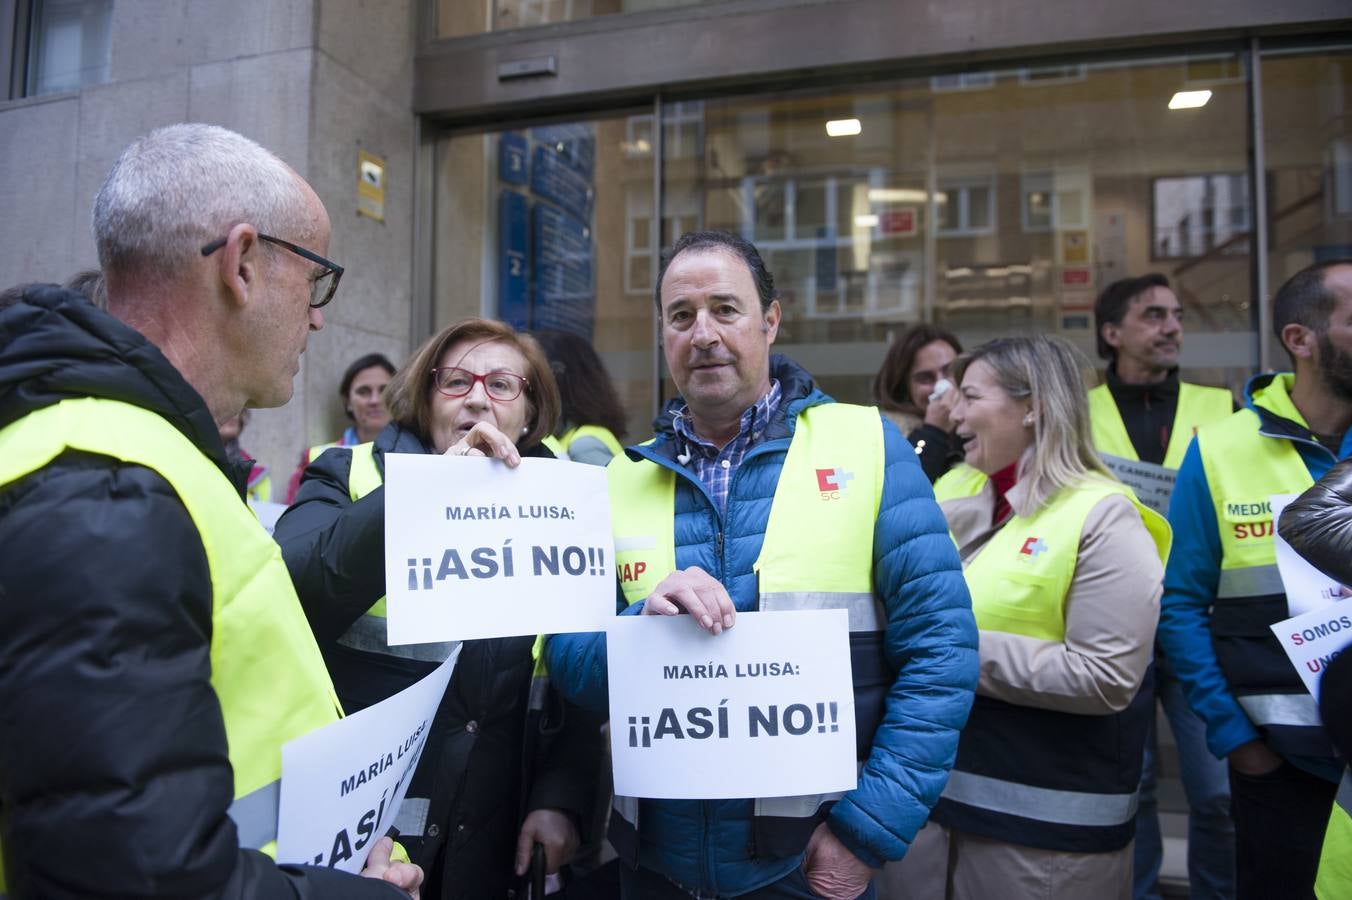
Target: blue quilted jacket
x,y
931,641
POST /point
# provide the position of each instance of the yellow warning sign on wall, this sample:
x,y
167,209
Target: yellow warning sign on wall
x,y
370,186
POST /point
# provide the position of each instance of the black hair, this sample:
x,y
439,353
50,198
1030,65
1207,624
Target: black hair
x,y
1111,306
728,242
585,390
1303,300
360,365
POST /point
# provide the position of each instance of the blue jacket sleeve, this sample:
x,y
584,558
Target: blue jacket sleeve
x,y
931,641
1190,582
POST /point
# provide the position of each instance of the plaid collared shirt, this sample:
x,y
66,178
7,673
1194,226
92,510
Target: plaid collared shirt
x,y
716,467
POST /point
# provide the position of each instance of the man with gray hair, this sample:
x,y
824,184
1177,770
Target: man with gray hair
x,y
155,657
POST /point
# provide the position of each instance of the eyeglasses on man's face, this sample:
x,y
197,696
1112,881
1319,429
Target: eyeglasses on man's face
x,y
454,381
323,283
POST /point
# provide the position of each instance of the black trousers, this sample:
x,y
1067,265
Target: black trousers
x,y
1280,818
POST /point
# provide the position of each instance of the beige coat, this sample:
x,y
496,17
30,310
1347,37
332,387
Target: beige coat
x,y
1111,611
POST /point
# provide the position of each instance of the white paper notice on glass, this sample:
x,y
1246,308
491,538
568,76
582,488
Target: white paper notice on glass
x,y
1307,588
474,549
1313,639
765,709
343,784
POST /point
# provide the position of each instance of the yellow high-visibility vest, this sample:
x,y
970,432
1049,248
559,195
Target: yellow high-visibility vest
x,y
1020,578
266,669
369,633
1243,470
559,445
1334,881
817,554
1197,406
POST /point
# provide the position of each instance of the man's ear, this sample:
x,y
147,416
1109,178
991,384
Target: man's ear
x,y
1111,332
239,262
1299,340
772,321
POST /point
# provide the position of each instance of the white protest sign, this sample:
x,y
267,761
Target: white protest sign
x,y
474,549
1313,639
766,709
342,785
1152,484
1307,588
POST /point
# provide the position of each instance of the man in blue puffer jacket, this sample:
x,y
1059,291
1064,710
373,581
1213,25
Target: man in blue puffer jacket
x,y
725,440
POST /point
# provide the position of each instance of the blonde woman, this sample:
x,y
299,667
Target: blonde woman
x,y
1065,570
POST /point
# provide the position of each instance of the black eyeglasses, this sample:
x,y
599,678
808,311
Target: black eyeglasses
x,y
322,287
454,381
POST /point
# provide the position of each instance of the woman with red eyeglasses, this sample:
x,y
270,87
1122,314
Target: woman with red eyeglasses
x,y
498,774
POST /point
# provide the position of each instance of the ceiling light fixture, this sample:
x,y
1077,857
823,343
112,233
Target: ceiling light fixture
x,y
865,221
1189,99
843,127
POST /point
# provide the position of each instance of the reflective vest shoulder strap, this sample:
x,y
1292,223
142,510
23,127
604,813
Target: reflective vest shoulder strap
x,y
1334,881
1198,406
363,475
958,482
318,449
642,501
370,633
1105,423
597,432
555,446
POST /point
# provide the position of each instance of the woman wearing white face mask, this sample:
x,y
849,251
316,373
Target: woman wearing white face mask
x,y
501,771
1065,569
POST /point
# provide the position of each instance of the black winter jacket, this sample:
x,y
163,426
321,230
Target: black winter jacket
x,y
486,763
1318,523
114,773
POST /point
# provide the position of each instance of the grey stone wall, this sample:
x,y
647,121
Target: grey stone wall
x,y
313,81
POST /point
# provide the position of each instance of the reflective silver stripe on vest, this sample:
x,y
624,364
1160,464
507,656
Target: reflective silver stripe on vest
x,y
865,611
369,634
626,808
1251,581
411,820
1043,804
1281,709
255,815
803,806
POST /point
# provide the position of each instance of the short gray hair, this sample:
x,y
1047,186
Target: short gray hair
x,y
1046,370
181,187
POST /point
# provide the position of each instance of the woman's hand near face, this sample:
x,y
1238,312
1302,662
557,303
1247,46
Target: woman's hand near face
x,y
938,412
484,439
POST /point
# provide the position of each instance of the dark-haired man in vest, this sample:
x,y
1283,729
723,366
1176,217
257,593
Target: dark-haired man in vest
x,y
1143,418
1222,589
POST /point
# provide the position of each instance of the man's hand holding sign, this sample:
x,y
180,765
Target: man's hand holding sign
x,y
830,868
696,592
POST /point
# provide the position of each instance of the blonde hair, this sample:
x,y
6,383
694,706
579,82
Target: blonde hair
x,y
409,394
1046,371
